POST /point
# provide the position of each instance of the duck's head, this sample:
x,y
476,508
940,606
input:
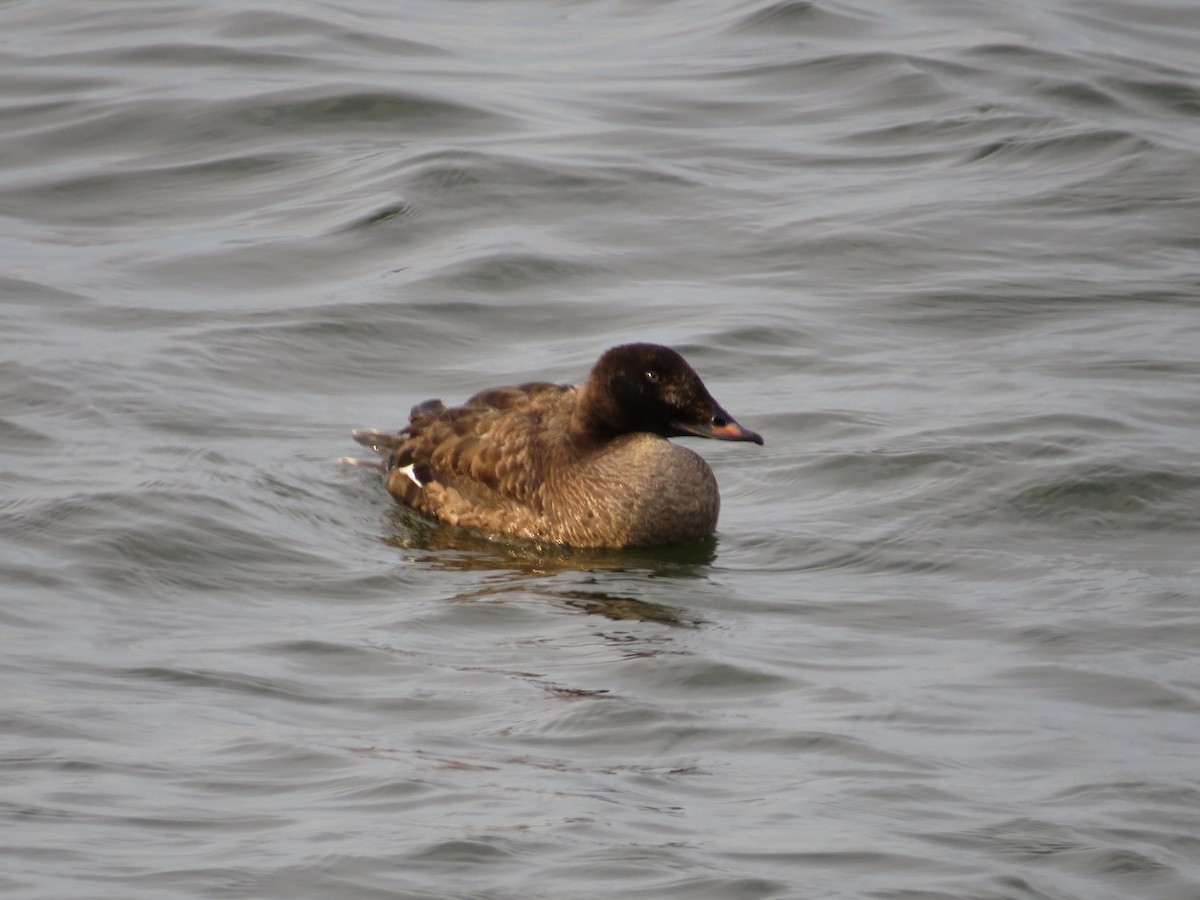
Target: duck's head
x,y
651,388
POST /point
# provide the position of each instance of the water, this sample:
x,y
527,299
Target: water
x,y
943,255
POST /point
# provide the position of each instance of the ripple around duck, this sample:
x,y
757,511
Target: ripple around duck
x,y
113,199
345,108
1112,498
515,272
1175,96
141,540
1090,855
1104,690
801,18
1073,147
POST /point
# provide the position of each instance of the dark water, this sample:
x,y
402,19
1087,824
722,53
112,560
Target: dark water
x,y
945,256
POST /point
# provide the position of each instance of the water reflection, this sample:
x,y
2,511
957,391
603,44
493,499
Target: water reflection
x,y
620,608
520,566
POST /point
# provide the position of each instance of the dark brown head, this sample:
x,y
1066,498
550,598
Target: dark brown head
x,y
650,388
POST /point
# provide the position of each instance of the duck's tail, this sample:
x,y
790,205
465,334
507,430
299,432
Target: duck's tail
x,y
382,442
365,463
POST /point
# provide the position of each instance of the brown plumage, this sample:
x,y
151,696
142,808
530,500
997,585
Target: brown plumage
x,y
587,466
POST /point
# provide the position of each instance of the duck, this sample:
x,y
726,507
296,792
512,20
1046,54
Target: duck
x,y
588,466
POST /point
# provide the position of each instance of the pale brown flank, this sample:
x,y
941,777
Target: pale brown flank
x,y
588,466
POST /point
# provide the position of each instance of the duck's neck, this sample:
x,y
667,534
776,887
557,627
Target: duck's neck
x,y
589,427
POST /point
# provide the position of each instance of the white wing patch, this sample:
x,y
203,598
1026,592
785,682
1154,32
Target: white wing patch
x,y
408,472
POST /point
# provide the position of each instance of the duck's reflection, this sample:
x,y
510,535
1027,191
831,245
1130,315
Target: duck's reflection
x,y
621,609
519,565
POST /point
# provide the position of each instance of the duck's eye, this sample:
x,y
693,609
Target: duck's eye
x,y
652,376
718,422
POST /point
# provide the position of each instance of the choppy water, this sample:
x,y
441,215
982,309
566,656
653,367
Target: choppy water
x,y
945,256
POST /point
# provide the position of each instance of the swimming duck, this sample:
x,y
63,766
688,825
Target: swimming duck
x,y
586,466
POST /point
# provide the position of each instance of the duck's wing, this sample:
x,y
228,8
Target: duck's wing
x,y
489,453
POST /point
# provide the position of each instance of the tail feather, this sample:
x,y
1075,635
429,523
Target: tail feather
x,y
365,463
382,442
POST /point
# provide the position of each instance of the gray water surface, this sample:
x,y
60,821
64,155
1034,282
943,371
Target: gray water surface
x,y
945,256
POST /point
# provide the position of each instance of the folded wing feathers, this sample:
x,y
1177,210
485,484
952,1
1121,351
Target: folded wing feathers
x,y
482,449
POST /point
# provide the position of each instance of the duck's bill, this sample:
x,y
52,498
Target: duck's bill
x,y
722,428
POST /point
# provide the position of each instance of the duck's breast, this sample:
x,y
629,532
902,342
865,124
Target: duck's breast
x,y
640,490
